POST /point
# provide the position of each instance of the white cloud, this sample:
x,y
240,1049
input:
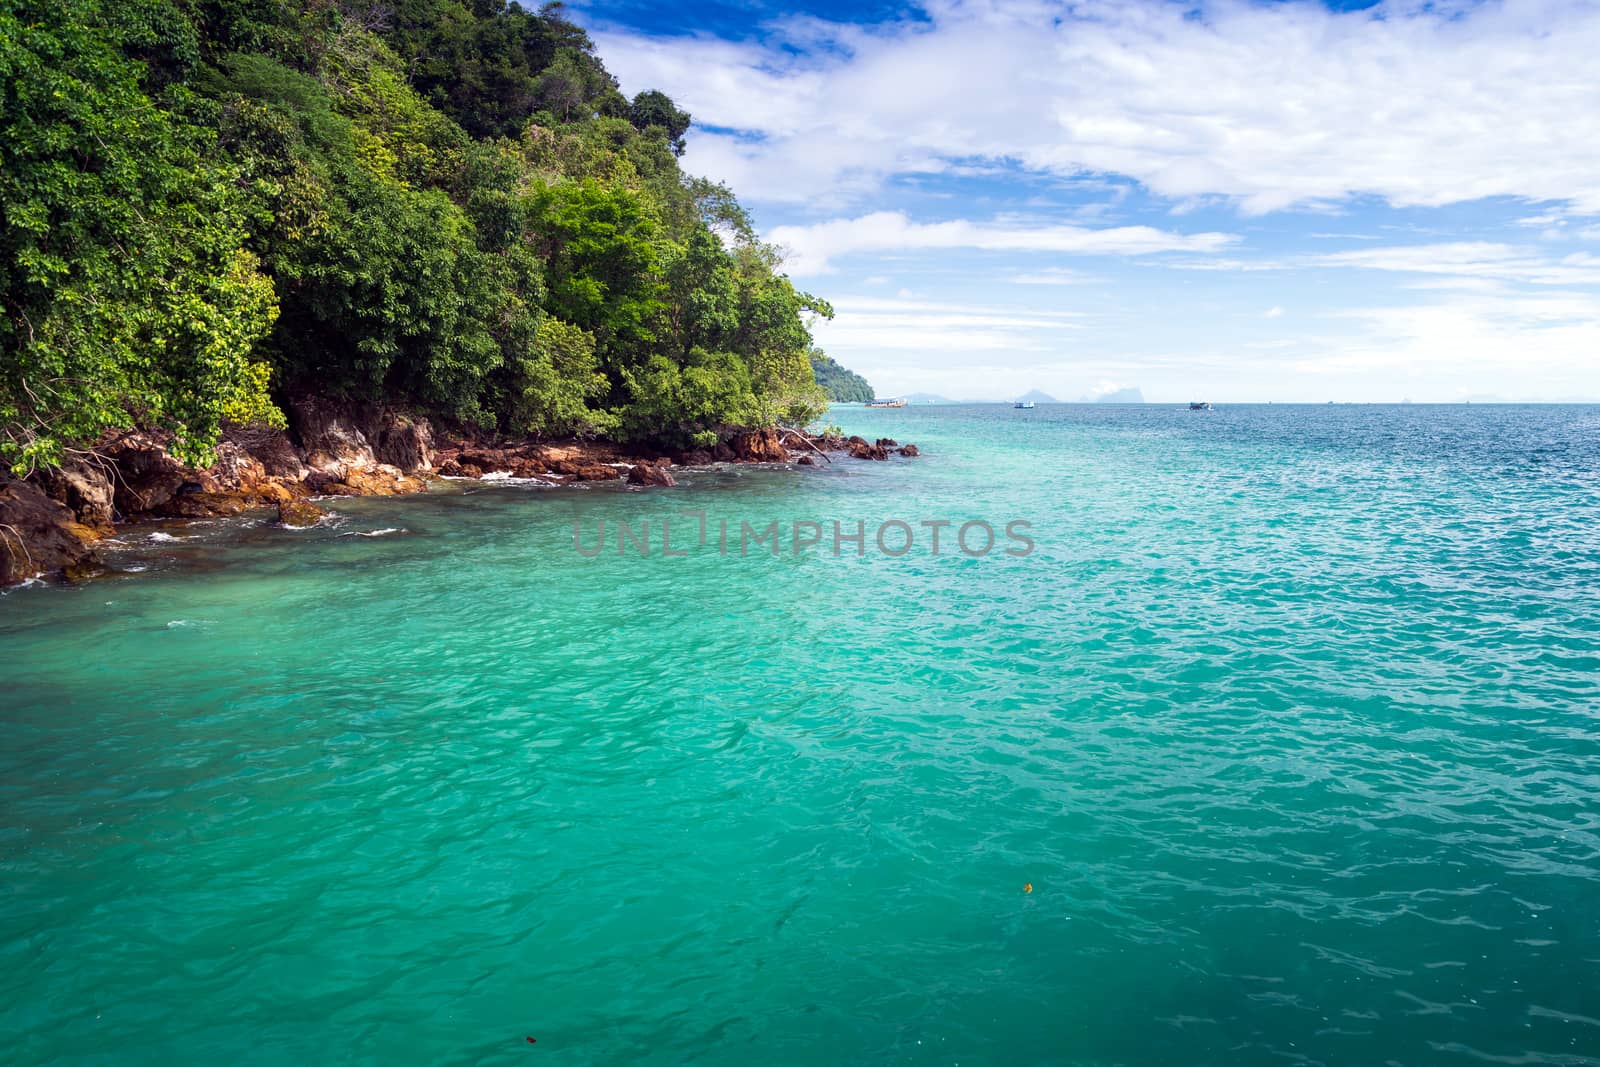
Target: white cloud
x,y
1471,259
1460,264
1273,312
1272,105
1049,276
928,326
811,249
1480,338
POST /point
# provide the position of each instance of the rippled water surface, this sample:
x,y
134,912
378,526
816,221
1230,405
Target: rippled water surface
x,y
1291,721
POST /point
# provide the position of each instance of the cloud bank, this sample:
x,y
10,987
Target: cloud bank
x,y
810,249
1270,106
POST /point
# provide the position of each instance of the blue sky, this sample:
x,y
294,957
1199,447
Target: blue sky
x,y
1234,201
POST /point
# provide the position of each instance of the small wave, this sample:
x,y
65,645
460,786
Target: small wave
x,y
179,624
164,537
385,532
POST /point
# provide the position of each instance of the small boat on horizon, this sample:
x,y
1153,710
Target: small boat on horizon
x,y
892,402
1199,405
1023,405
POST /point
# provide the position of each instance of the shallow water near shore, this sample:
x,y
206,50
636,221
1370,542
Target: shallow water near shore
x,y
1291,720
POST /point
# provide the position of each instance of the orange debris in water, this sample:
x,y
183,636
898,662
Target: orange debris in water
x,y
1027,887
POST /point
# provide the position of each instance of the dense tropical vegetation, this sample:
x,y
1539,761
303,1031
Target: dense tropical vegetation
x,y
210,206
841,385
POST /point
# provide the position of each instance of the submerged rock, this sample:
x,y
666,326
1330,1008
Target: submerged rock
x,y
85,570
299,514
909,450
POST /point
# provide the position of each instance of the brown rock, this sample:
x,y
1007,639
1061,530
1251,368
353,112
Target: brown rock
x,y
697,458
909,450
383,480
467,470
554,454
806,461
275,492
650,474
147,475
319,481
329,435
236,469
271,448
759,446
887,442
595,472
325,467
201,504
405,443
859,449
37,535
487,459
84,486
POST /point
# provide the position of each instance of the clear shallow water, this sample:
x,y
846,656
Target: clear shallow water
x,y
1292,721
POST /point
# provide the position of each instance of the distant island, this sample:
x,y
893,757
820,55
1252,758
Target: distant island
x,y
1036,396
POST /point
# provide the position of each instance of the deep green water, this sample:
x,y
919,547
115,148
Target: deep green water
x,y
1292,721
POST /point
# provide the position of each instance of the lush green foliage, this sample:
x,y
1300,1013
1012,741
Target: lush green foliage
x,y
208,207
841,385
128,292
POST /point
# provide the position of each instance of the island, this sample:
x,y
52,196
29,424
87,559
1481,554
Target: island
x,y
258,252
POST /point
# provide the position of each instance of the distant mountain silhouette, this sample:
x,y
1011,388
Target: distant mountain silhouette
x,y
1038,398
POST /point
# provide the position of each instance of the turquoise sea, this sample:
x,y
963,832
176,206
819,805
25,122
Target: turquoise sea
x,y
1291,720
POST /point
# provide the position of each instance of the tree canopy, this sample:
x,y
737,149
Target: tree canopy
x,y
841,385
209,207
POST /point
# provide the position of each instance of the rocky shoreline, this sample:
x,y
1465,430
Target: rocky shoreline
x,y
51,521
